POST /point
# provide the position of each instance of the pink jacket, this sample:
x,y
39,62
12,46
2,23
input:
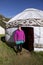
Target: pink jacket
x,y
19,35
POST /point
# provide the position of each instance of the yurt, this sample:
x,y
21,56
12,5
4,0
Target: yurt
x,y
32,24
2,30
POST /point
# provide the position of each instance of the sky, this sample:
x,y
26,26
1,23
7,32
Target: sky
x,y
10,8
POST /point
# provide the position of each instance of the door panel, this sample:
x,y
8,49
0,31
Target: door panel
x,y
29,36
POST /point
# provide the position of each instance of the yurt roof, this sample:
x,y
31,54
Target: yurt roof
x,y
29,15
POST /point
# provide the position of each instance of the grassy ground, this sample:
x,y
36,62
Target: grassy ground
x,y
9,57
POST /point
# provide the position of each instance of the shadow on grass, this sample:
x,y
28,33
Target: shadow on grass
x,y
11,45
3,39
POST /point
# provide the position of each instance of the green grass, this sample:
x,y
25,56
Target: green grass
x,y
9,57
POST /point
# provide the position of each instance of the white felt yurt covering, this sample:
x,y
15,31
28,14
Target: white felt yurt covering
x,y
2,30
28,18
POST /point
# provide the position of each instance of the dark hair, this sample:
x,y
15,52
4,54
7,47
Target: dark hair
x,y
19,25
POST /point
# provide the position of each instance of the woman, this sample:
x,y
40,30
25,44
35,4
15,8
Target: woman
x,y
19,39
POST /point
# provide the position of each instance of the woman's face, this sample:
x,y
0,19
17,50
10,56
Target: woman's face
x,y
19,27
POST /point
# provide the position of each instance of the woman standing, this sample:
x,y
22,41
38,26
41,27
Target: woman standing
x,y
19,39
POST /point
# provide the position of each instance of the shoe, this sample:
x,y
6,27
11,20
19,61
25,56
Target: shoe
x,y
20,53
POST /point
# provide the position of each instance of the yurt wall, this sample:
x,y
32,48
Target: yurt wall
x,y
38,36
9,34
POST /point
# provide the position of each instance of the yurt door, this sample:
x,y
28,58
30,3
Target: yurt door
x,y
29,36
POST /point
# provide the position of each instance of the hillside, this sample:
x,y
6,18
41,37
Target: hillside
x,y
3,18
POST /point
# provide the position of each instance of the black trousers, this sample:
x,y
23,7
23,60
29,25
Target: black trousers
x,y
19,47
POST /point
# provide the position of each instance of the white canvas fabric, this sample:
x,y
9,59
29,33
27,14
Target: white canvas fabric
x,y
10,34
2,30
38,35
28,13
